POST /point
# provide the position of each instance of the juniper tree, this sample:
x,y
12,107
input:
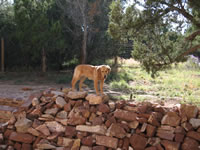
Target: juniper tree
x,y
157,30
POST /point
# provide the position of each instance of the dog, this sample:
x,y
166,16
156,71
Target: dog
x,y
95,73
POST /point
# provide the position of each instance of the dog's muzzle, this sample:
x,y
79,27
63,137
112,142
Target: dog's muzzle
x,y
105,76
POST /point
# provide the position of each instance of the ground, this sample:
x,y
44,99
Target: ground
x,y
10,90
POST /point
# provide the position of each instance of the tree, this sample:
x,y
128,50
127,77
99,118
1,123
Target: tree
x,y
7,26
38,32
156,31
82,13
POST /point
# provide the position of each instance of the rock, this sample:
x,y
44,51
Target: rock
x,y
23,124
194,135
126,143
12,120
171,119
89,141
76,119
107,141
26,146
53,136
60,102
116,131
66,142
164,134
43,129
103,108
190,144
36,111
85,148
195,123
169,145
1,138
151,148
189,110
10,148
97,120
57,93
125,115
98,148
21,137
151,130
111,105
35,101
46,117
187,126
76,145
94,99
45,144
3,147
33,131
179,129
179,137
92,129
138,142
67,107
51,111
66,90
55,126
133,125
153,120
76,95
62,115
70,131
154,141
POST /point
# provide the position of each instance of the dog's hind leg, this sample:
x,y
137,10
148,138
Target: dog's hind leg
x,y
81,83
74,80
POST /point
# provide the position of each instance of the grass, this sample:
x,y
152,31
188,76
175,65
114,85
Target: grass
x,y
178,83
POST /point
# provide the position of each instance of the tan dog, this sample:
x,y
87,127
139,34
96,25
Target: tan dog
x,y
95,73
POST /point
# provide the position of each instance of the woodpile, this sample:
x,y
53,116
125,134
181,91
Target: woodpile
x,y
80,121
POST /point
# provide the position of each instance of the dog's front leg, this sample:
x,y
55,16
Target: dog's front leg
x,y
101,87
96,86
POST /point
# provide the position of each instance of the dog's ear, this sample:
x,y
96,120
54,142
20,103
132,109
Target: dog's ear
x,y
98,68
109,69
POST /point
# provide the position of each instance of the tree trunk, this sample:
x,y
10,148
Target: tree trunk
x,y
115,67
84,44
2,54
44,68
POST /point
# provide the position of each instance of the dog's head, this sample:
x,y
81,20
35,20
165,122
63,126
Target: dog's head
x,y
104,70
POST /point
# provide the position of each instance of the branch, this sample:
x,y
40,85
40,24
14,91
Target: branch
x,y
191,50
184,13
193,35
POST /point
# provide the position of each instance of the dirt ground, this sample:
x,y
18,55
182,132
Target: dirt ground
x,y
23,91
10,90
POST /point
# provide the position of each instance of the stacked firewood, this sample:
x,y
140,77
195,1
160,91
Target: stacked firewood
x,y
78,120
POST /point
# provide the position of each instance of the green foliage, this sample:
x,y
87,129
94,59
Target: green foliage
x,y
37,29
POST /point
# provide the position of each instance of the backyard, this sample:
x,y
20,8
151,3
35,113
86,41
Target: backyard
x,y
179,84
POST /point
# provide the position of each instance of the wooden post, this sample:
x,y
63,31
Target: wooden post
x,y
2,54
44,67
